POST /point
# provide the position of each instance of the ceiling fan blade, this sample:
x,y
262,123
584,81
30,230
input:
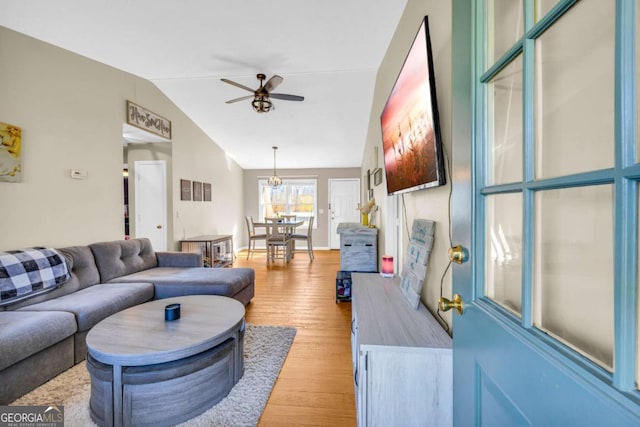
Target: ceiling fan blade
x,y
286,97
231,82
242,98
273,82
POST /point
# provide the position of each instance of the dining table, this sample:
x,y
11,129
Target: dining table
x,y
288,227
285,224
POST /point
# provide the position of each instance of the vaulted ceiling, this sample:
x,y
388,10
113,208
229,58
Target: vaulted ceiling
x,y
328,51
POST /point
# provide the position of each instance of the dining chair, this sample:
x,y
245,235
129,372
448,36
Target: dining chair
x,y
288,217
306,237
278,242
253,236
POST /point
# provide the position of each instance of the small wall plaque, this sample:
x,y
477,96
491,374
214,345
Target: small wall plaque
x,y
185,189
197,191
377,177
206,189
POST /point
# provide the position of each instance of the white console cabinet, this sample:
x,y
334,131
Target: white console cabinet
x,y
401,358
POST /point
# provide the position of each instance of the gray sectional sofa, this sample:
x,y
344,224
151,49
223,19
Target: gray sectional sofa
x,y
44,334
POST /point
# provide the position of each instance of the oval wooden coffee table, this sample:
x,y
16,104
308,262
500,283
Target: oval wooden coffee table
x,y
145,370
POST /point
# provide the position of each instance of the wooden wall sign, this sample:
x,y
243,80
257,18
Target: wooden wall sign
x,y
146,120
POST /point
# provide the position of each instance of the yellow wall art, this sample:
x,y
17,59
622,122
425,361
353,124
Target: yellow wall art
x,y
10,160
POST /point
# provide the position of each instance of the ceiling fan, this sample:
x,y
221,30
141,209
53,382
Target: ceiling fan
x,y
261,97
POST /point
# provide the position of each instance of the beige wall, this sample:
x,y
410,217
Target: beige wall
x,y
71,111
430,203
321,233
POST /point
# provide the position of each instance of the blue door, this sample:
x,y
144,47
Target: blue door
x,y
545,201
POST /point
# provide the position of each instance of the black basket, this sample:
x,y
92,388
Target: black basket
x,y
343,286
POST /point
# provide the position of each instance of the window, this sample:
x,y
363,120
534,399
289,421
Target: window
x,y
294,197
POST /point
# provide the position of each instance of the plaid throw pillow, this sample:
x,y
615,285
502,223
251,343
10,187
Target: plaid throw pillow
x,y
31,271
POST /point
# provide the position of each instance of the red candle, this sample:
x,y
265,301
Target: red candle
x,y
387,266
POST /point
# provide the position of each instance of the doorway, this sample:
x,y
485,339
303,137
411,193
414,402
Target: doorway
x,y
344,197
150,155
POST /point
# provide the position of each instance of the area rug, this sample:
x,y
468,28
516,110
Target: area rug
x,y
265,349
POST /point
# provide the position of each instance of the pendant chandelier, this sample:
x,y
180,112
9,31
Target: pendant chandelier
x,y
274,181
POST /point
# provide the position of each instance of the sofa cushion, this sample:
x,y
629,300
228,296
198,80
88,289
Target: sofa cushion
x,y
82,265
25,333
179,259
172,282
92,304
121,257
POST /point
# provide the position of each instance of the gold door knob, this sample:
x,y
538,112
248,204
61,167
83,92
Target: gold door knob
x,y
458,254
457,304
158,226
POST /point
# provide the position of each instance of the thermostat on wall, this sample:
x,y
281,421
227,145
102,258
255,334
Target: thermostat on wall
x,y
78,174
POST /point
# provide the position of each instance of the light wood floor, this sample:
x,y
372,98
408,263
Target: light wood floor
x,y
315,386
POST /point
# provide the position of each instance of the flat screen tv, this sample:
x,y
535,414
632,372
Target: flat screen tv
x,y
411,139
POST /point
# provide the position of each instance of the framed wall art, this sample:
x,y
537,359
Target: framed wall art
x,y
377,177
206,191
185,189
197,191
10,156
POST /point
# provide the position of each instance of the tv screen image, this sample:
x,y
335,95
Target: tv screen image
x,y
411,140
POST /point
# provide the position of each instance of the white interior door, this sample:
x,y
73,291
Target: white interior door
x,y
344,196
151,202
393,242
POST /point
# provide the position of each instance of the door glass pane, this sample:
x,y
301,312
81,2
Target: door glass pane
x,y
638,316
637,78
503,249
573,276
574,91
543,7
504,27
505,124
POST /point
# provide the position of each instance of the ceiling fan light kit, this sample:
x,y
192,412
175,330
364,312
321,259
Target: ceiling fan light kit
x,y
261,102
